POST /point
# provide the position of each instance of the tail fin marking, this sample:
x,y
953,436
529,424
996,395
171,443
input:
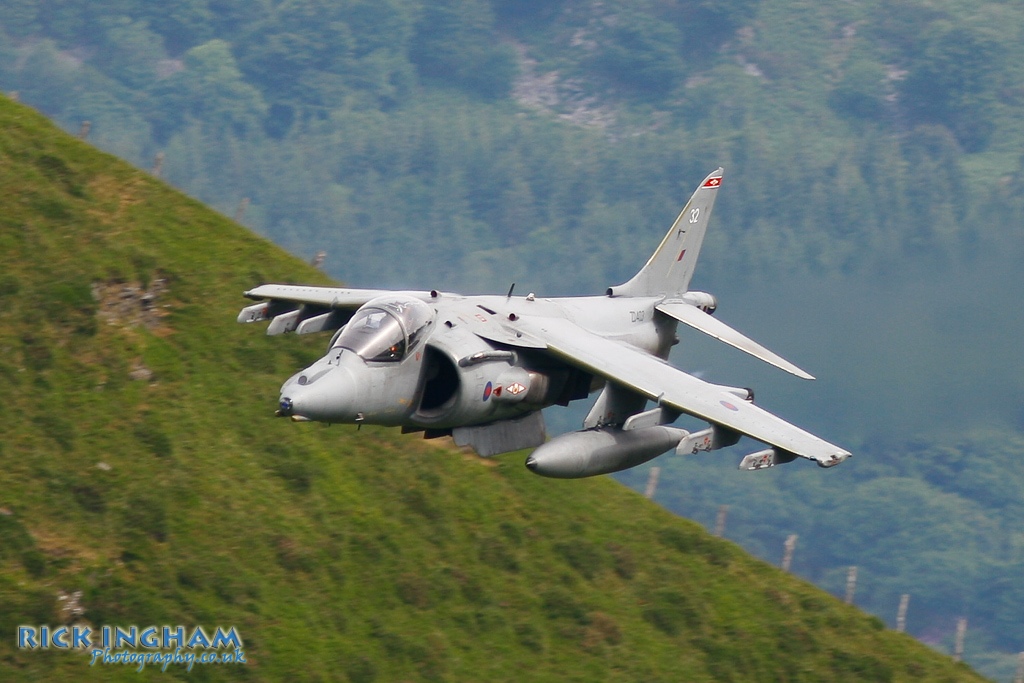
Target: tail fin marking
x,y
669,270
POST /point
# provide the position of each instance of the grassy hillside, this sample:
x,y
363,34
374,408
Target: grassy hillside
x,y
140,464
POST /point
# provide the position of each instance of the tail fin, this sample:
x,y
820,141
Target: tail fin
x,y
669,270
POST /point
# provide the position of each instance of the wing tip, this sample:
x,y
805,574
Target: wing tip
x,y
834,459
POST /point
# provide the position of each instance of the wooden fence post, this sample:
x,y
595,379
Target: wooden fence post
x,y
851,584
787,557
652,482
958,647
240,211
901,614
723,510
158,164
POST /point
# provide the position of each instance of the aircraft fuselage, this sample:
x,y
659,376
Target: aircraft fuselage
x,y
460,373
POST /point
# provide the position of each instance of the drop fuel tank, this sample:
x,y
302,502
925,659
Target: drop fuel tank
x,y
600,451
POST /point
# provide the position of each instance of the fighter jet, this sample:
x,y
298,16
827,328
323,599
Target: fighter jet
x,y
481,368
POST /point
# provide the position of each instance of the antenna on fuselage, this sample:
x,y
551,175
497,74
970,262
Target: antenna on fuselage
x,y
509,295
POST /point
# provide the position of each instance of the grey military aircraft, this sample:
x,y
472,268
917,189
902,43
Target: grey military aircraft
x,y
481,368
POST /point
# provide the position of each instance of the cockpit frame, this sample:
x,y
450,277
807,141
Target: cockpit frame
x,y
386,329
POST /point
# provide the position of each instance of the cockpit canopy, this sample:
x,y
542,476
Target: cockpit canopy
x,y
385,329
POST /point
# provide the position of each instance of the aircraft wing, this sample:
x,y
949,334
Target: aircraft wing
x,y
670,386
699,320
330,297
303,309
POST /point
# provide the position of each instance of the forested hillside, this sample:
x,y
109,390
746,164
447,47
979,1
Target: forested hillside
x,y
366,128
869,227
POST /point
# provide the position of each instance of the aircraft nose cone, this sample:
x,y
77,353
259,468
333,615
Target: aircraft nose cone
x,y
531,464
285,408
325,395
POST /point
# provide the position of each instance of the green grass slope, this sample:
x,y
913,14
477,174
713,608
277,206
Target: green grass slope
x,y
140,465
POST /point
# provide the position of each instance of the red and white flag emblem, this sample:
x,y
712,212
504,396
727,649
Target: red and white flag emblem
x,y
712,182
